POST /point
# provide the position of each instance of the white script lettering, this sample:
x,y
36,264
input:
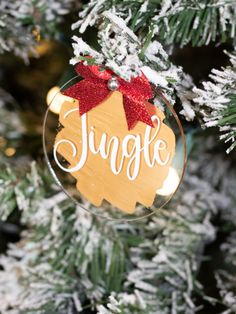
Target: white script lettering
x,y
131,149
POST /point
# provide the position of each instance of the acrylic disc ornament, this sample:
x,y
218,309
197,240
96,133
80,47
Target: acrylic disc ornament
x,y
109,148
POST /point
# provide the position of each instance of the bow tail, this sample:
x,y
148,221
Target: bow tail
x,y
136,110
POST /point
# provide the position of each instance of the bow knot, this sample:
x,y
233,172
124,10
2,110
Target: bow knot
x,y
93,89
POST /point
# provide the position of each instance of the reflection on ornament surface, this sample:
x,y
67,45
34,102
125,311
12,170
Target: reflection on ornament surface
x,y
55,99
170,184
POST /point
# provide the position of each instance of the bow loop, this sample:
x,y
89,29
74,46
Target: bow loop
x,y
138,87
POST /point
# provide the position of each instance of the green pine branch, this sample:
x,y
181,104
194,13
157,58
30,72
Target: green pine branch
x,y
216,102
181,22
149,265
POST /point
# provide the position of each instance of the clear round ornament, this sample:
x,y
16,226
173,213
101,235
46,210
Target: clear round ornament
x,y
86,146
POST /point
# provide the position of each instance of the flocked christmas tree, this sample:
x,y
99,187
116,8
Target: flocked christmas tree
x,y
69,261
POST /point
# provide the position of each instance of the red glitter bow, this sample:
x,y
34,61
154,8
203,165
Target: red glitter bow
x,y
94,89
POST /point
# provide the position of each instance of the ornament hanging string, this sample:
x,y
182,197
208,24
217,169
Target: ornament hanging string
x,y
94,89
